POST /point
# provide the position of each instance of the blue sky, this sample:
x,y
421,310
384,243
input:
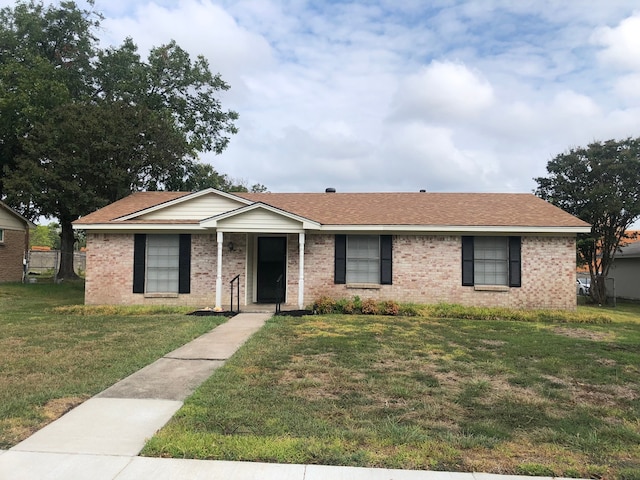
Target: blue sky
x,y
400,96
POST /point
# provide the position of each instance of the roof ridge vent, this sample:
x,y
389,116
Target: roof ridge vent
x,y
330,190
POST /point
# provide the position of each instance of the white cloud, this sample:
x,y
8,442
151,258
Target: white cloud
x,y
628,87
443,90
448,95
621,44
198,26
568,103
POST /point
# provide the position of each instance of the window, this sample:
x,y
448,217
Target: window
x,y
162,263
363,259
491,261
1,235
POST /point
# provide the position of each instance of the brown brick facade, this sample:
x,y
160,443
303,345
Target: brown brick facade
x,y
426,269
12,251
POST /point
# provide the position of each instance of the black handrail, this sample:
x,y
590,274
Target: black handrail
x,y
237,280
279,294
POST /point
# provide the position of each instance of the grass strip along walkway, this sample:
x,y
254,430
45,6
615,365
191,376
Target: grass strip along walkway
x,y
532,398
56,353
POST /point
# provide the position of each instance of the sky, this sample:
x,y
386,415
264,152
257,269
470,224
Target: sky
x,y
388,95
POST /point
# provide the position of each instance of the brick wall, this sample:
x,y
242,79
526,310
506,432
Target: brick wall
x,y
426,269
11,256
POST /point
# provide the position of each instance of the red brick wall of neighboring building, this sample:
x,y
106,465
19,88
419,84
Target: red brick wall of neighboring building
x,y
11,256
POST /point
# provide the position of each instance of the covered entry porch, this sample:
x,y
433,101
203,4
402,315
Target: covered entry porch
x,y
259,269
269,253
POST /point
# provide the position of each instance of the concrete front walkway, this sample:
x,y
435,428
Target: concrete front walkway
x,y
102,435
101,439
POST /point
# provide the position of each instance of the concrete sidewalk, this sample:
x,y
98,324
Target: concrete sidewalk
x,y
101,438
108,430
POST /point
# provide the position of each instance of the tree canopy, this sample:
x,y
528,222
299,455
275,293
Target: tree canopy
x,y
81,126
599,184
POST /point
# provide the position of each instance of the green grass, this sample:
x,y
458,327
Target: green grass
x,y
559,396
56,353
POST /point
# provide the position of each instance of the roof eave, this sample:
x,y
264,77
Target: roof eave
x,y
461,229
312,226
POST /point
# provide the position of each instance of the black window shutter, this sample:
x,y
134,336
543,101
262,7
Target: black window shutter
x,y
467,261
386,261
340,260
514,262
184,267
139,257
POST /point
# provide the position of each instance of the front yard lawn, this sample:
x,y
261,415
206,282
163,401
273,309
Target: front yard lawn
x,y
533,398
56,353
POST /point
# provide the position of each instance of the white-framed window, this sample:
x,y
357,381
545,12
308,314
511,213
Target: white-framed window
x,y
491,261
162,263
363,259
1,235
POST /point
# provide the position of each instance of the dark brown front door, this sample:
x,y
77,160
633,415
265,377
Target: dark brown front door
x,y
272,260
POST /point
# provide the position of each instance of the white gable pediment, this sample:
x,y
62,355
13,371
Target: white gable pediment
x,y
197,206
259,217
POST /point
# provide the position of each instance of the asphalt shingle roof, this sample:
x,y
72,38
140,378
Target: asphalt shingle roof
x,y
424,208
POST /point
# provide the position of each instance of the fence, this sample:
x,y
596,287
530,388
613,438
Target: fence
x,y
46,263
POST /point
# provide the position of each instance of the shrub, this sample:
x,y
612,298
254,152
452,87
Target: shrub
x,y
390,307
341,305
324,305
370,307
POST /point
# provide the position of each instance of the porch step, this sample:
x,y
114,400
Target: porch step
x,y
261,308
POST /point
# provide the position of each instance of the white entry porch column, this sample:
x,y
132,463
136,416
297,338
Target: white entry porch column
x,y
220,239
301,271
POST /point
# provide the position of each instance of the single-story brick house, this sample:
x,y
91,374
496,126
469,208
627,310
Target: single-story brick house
x,y
14,243
512,250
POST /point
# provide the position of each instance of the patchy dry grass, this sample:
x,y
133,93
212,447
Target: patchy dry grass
x,y
55,353
502,396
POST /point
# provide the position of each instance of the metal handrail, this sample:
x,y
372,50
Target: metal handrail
x,y
237,280
279,294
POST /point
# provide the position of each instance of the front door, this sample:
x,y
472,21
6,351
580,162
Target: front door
x,y
272,261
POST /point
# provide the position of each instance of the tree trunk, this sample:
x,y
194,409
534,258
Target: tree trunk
x,y
67,240
598,290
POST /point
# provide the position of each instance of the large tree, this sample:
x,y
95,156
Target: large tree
x,y
194,176
44,62
82,126
599,184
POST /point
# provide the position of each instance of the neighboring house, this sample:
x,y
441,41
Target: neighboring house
x,y
625,271
512,250
14,243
